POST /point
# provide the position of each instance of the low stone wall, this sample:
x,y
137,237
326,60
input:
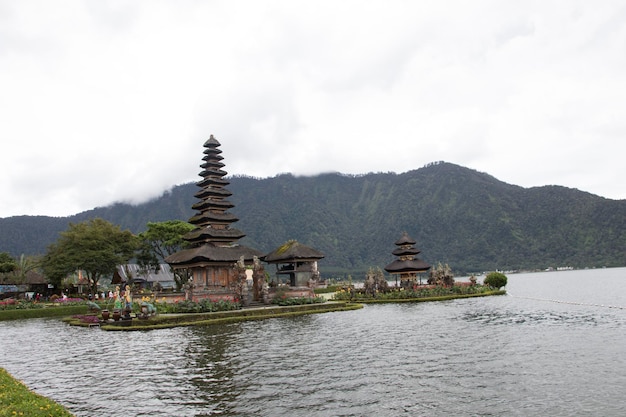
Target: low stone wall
x,y
215,296
291,292
174,297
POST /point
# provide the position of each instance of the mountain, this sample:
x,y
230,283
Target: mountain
x,y
458,216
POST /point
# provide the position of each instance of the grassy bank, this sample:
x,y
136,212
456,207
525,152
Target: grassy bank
x,y
17,400
47,311
164,321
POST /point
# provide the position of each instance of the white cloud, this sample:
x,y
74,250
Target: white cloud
x,y
108,101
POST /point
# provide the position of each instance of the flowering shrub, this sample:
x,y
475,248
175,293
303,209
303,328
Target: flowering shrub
x,y
202,306
425,291
86,318
68,300
328,289
11,304
495,280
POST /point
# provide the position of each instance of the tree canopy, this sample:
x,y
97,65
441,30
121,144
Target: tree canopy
x,y
165,238
495,280
160,240
95,247
7,263
8,266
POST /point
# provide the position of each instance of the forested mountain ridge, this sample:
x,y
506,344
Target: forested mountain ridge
x,y
459,216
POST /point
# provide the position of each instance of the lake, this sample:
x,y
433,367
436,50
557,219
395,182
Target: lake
x,y
556,346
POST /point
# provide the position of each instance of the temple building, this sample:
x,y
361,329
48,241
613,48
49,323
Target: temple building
x,y
216,264
296,265
407,266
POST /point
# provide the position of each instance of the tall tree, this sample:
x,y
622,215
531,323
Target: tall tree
x,y
25,264
95,247
160,240
7,265
165,238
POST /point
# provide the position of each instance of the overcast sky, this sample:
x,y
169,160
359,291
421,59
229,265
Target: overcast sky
x,y
104,101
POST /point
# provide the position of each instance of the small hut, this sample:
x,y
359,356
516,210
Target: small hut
x,y
144,277
407,266
296,265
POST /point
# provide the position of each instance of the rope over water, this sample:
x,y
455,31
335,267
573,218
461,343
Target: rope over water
x,y
567,302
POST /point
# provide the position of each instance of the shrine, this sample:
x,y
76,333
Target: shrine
x,y
296,265
407,266
216,265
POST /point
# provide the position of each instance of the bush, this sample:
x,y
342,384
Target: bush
x,y
495,280
296,301
329,289
202,306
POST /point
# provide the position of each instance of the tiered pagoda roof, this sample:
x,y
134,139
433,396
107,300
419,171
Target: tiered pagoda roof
x,y
213,239
212,220
407,261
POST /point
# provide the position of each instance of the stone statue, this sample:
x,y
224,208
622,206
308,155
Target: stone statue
x,y
118,299
128,298
258,279
188,287
93,306
265,293
240,283
147,309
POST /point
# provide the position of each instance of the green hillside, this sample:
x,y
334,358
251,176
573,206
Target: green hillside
x,y
457,215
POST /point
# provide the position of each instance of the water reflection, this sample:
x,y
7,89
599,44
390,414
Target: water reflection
x,y
211,370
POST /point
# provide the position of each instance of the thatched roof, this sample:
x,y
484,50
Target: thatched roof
x,y
405,239
215,235
212,181
211,142
212,192
209,253
213,163
129,272
406,251
31,278
414,265
207,217
215,205
292,251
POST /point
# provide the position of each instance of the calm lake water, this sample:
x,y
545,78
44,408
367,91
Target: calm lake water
x,y
556,346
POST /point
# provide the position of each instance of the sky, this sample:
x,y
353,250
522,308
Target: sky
x,y
112,101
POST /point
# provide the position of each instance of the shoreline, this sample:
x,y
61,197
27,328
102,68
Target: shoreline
x,y
17,399
165,321
233,316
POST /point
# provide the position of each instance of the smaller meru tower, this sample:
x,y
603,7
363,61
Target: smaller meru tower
x,y
407,266
215,263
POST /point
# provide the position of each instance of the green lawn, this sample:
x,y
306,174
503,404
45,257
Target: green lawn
x,y
48,311
17,400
